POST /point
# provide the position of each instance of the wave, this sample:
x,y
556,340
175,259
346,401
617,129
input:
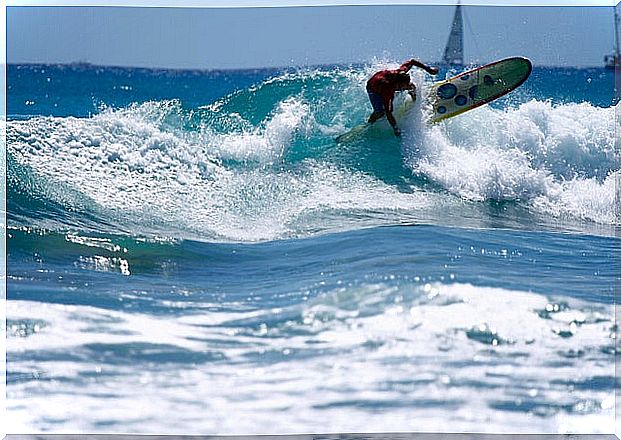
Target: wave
x,y
413,345
262,163
176,182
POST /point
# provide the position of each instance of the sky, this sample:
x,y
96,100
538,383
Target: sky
x,y
229,38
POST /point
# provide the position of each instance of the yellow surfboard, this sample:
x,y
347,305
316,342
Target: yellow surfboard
x,y
476,87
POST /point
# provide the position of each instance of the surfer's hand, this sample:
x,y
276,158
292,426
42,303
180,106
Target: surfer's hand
x,y
433,70
397,132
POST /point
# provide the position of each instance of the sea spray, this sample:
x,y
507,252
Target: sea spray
x,y
533,153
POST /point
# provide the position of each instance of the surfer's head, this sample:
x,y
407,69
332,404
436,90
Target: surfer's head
x,y
402,80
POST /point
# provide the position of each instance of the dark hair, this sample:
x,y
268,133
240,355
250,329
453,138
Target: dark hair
x,y
402,78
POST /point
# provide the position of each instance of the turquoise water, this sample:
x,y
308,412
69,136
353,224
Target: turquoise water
x,y
192,252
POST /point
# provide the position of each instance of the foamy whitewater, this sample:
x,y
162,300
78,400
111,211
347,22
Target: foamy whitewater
x,y
193,252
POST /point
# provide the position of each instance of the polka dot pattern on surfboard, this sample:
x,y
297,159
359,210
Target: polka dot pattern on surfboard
x,y
476,87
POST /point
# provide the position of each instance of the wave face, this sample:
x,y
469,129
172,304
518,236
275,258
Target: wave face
x,y
261,163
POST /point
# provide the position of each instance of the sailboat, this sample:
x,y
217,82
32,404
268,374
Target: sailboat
x,y
454,50
613,61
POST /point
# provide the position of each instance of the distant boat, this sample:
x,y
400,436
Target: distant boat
x,y
613,61
80,65
454,50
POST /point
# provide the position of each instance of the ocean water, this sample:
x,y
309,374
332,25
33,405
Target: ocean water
x,y
193,252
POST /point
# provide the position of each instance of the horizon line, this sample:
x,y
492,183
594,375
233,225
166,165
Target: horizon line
x,y
225,69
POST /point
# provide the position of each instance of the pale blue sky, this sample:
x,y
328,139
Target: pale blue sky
x,y
219,38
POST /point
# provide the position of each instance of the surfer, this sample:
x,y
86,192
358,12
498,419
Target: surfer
x,y
382,86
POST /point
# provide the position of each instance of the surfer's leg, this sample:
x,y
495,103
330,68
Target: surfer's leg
x,y
375,116
378,107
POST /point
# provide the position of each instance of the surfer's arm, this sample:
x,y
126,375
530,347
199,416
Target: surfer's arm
x,y
393,123
391,119
412,91
387,99
405,67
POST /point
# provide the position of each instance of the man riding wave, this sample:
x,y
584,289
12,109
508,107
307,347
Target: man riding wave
x,y
382,86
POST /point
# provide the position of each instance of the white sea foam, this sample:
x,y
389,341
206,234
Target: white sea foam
x,y
587,199
265,144
559,158
135,169
403,359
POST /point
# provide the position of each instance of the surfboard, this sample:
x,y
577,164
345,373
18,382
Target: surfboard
x,y
381,127
466,91
477,87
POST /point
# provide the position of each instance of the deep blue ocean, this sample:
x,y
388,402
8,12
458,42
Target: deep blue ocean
x,y
193,252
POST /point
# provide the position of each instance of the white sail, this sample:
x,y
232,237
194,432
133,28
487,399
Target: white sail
x,y
454,51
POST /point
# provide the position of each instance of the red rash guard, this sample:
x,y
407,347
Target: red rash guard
x,y
383,83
